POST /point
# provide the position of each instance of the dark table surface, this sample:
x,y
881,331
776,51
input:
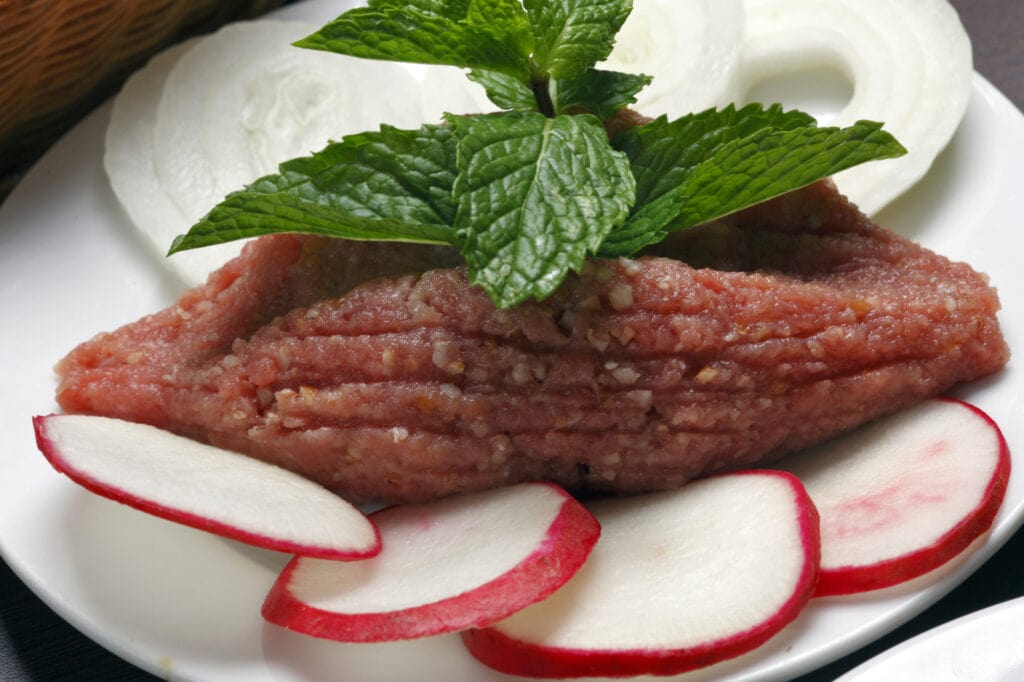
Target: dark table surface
x,y
35,644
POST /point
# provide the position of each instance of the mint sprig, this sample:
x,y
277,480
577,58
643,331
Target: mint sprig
x,y
705,166
492,35
572,35
535,196
528,194
601,93
391,185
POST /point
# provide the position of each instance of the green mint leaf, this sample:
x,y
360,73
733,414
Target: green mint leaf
x,y
768,164
535,195
602,93
507,92
663,152
489,35
391,185
690,178
442,8
245,214
505,19
572,35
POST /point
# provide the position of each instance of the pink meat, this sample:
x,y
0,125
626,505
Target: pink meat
x,y
735,343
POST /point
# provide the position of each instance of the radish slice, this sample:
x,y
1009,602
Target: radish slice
x,y
909,62
690,47
204,487
679,580
446,565
904,495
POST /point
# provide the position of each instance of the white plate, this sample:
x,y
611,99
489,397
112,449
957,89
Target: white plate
x,y
984,646
180,602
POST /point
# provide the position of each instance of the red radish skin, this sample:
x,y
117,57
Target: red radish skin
x,y
509,654
563,549
49,444
879,510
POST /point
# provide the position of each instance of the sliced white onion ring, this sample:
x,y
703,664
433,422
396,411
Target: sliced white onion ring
x,y
244,99
128,158
909,62
690,47
209,116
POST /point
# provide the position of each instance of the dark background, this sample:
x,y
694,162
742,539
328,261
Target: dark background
x,y
35,644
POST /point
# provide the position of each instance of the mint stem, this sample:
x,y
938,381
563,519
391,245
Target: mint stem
x,y
543,96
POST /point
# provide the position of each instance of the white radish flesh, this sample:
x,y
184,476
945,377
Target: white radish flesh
x,y
204,487
678,581
689,47
902,496
909,63
447,565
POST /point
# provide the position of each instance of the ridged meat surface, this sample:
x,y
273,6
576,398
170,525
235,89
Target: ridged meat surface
x,y
378,370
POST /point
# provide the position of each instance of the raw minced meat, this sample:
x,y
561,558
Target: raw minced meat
x,y
379,371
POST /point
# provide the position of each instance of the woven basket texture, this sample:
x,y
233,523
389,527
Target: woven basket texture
x,y
59,58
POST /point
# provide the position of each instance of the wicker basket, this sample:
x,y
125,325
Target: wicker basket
x,y
59,58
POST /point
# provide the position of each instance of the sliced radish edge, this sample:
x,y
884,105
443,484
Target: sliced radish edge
x,y
845,580
508,654
534,578
47,444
